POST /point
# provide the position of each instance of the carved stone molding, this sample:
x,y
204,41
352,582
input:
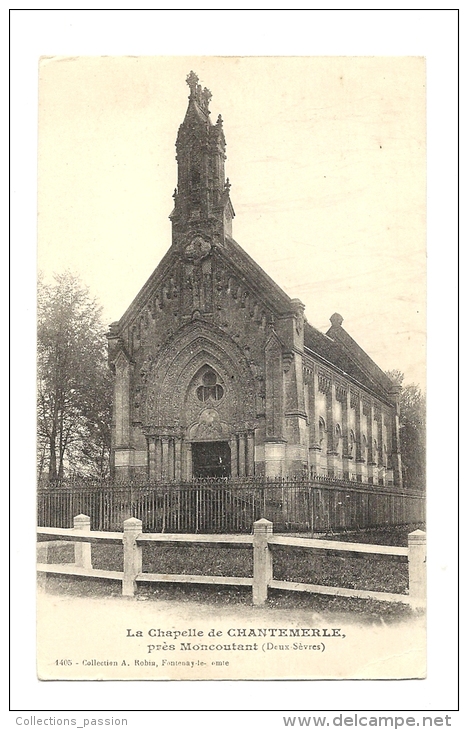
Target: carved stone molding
x,y
172,372
288,358
324,382
354,400
341,393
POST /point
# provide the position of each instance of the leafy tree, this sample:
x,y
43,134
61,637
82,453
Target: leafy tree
x,y
74,384
412,431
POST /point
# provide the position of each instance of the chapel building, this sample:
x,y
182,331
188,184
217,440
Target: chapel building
x,y
217,371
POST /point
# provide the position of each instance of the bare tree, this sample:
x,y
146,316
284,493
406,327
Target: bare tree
x,y
74,390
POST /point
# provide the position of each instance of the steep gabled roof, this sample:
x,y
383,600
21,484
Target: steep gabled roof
x,y
338,349
357,354
262,284
145,292
235,259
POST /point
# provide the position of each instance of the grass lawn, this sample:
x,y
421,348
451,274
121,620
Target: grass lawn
x,y
367,572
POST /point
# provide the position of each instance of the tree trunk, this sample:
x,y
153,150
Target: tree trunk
x,y
61,446
41,463
52,459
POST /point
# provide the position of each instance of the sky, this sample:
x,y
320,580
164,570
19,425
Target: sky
x,y
326,158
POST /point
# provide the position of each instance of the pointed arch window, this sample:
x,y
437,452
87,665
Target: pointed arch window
x,y
210,387
364,446
322,431
351,443
387,461
338,439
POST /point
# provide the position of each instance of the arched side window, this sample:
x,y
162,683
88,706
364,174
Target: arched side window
x,y
351,443
322,432
338,437
387,459
364,446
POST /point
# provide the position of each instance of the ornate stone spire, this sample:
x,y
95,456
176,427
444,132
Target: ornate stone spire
x,y
202,205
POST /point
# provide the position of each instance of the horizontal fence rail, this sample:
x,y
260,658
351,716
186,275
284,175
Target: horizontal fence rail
x,y
351,547
133,540
231,506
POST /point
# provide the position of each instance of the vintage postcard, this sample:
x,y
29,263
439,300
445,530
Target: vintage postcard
x,y
231,368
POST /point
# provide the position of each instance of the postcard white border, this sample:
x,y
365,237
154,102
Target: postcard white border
x,y
240,32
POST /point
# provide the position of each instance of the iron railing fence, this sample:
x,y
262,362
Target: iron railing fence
x,y
81,482
231,506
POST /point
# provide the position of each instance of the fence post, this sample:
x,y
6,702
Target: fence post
x,y
82,549
132,555
417,568
262,561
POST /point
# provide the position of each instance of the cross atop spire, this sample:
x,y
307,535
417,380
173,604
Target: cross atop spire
x,y
201,96
192,81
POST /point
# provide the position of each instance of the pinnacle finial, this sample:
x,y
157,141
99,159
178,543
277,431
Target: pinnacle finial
x,y
201,96
206,96
192,81
336,320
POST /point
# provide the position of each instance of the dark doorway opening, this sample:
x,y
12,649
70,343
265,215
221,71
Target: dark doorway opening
x,y
211,459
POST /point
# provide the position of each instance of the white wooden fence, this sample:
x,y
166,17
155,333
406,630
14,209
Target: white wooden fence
x,y
133,540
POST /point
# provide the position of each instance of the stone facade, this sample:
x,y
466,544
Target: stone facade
x,y
217,371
